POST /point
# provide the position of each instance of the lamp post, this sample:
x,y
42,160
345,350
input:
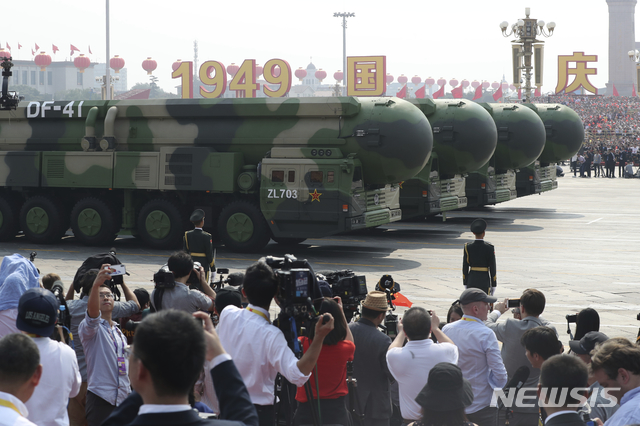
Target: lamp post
x,y
107,73
344,16
526,30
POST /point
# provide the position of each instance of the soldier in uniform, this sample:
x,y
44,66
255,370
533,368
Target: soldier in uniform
x,y
479,261
199,243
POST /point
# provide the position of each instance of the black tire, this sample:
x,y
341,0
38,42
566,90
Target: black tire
x,y
288,241
161,224
94,222
43,220
9,217
242,228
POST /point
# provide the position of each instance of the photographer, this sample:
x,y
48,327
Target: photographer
x,y
509,332
181,297
260,350
104,344
17,275
77,309
331,373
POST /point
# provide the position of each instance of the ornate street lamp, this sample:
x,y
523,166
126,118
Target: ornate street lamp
x,y
525,46
344,16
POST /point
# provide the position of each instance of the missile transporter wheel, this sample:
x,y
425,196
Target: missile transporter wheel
x,y
9,217
43,220
242,227
161,224
94,222
284,241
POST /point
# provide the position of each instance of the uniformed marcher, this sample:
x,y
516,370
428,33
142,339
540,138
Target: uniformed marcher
x,y
199,244
479,261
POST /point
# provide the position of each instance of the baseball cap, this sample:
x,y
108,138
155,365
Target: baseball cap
x,y
588,342
471,295
37,312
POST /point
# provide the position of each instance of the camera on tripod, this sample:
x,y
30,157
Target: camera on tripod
x,y
390,287
351,288
297,284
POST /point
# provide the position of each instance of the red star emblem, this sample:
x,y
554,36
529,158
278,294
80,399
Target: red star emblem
x,y
315,195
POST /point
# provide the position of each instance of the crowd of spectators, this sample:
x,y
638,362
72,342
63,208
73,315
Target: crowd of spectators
x,y
175,367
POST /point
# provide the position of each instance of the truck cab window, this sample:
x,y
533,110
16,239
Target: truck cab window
x,y
356,183
292,176
277,176
316,176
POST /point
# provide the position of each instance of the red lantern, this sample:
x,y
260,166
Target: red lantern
x,y
321,75
275,71
149,65
259,70
402,79
453,82
232,69
416,80
389,79
441,82
430,81
82,62
338,75
512,87
5,53
485,84
301,73
495,85
43,61
176,64
475,84
505,86
116,63
465,83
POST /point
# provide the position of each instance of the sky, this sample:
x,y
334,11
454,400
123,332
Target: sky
x,y
455,39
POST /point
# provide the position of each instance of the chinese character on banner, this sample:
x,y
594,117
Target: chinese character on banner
x,y
366,75
581,72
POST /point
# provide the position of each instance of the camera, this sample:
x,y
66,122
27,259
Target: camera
x,y
572,318
351,288
513,303
194,279
164,278
390,287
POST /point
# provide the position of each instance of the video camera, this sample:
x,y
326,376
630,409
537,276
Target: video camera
x,y
164,278
351,288
390,287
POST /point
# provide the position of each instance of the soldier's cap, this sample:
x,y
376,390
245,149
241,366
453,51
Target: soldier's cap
x,y
197,215
588,342
37,312
471,295
376,301
478,226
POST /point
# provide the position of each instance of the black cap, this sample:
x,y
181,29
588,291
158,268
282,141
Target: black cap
x,y
588,342
471,295
446,389
197,215
227,296
478,226
37,312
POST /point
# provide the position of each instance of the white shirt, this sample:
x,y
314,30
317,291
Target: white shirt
x,y
479,359
410,366
8,322
9,416
60,381
259,351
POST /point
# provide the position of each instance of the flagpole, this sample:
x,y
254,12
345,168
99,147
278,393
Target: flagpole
x,y
107,82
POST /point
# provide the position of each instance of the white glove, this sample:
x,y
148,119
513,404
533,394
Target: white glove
x,y
465,287
491,291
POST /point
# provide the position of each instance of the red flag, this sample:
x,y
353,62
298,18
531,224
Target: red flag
x,y
615,91
402,93
478,94
633,93
457,92
439,93
19,45
33,53
55,48
498,94
90,50
8,47
537,92
73,48
519,92
37,47
421,92
401,300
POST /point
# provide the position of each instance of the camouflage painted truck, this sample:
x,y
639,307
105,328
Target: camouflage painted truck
x,y
564,135
464,139
521,139
286,168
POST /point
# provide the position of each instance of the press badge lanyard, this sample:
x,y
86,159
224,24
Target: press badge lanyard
x,y
469,319
257,312
122,367
9,404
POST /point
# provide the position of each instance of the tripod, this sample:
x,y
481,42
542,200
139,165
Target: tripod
x,y
354,402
